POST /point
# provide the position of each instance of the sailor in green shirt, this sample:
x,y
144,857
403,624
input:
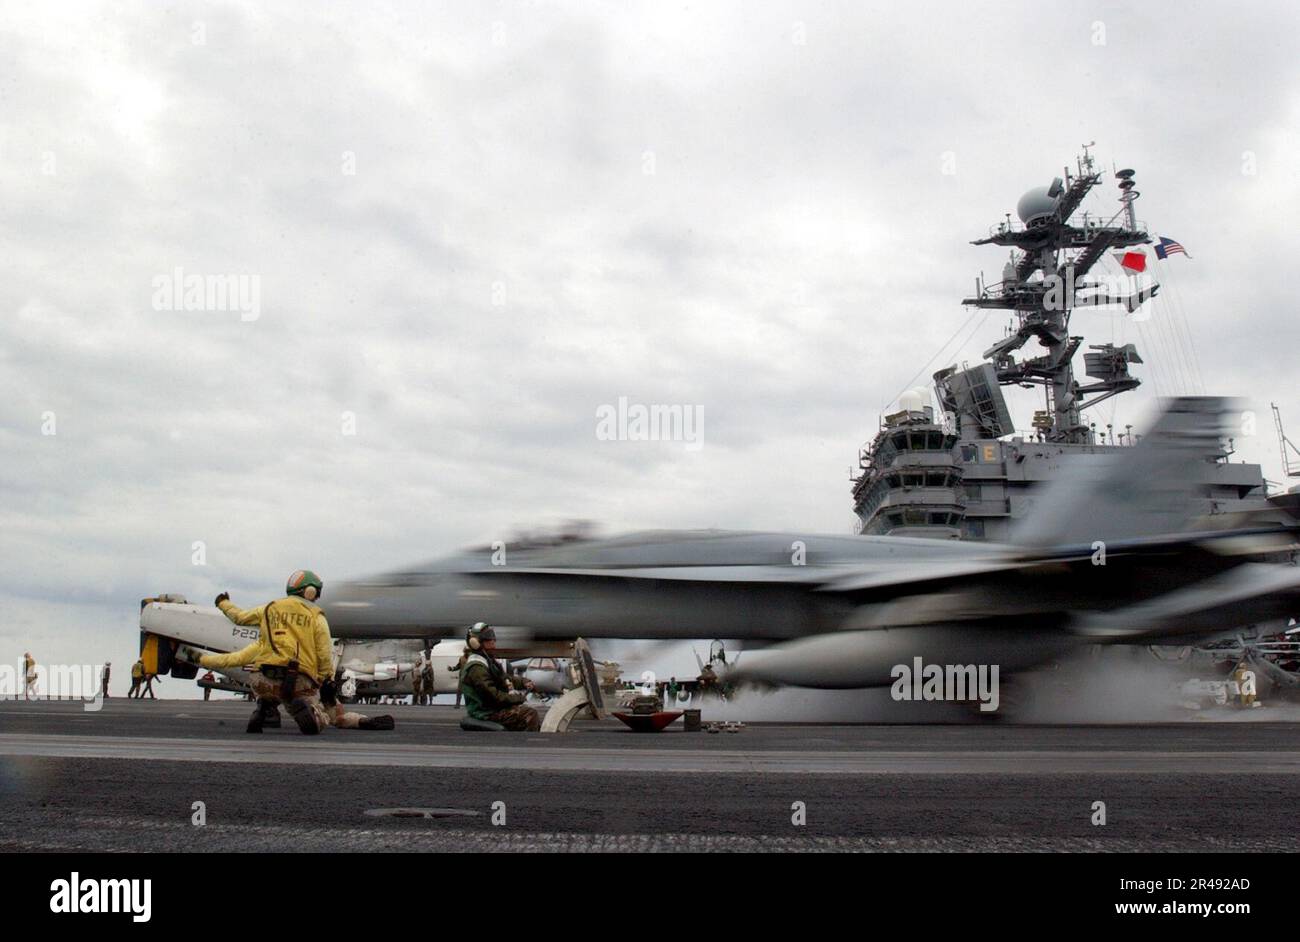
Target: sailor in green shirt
x,y
485,687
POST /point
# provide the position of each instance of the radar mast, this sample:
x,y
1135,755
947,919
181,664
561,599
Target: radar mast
x,y
1052,254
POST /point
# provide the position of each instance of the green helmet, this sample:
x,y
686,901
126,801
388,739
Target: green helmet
x,y
299,581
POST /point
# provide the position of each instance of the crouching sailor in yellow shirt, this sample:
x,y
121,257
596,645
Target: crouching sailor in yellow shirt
x,y
292,660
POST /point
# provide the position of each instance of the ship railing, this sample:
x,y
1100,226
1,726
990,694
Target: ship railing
x,y
1087,223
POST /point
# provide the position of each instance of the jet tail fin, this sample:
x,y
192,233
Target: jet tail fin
x,y
1146,490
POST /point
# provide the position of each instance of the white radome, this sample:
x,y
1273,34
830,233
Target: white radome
x,y
1035,205
911,401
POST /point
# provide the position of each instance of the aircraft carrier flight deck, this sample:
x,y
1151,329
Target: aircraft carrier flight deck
x,y
130,776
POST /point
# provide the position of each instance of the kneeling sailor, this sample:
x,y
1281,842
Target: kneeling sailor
x,y
293,660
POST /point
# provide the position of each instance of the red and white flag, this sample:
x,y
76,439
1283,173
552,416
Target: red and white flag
x,y
1132,261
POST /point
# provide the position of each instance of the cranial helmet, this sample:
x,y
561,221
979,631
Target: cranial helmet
x,y
300,580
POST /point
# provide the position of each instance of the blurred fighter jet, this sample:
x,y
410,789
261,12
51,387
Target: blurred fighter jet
x,y
1110,556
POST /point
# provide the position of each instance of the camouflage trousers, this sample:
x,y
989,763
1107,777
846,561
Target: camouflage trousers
x,y
305,697
520,719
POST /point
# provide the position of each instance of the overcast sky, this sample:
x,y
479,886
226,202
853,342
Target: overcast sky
x,y
472,225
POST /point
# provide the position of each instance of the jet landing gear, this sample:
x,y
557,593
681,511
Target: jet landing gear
x,y
1011,696
583,694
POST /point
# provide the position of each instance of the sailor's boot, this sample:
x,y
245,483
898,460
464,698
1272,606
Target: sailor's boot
x,y
264,714
270,714
376,722
305,717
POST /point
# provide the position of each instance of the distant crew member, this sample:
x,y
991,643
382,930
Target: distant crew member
x,y
1244,691
426,676
137,676
458,668
293,660
207,690
708,680
103,679
417,681
486,688
29,675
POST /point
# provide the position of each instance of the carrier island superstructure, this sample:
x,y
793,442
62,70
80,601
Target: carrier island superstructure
x,y
961,471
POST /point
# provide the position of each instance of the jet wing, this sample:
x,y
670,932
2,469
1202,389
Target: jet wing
x,y
1251,592
757,574
916,578
1002,582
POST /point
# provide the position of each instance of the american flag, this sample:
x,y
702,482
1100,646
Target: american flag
x,y
1168,247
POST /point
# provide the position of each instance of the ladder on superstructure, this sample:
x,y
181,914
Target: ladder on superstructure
x,y
1283,443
